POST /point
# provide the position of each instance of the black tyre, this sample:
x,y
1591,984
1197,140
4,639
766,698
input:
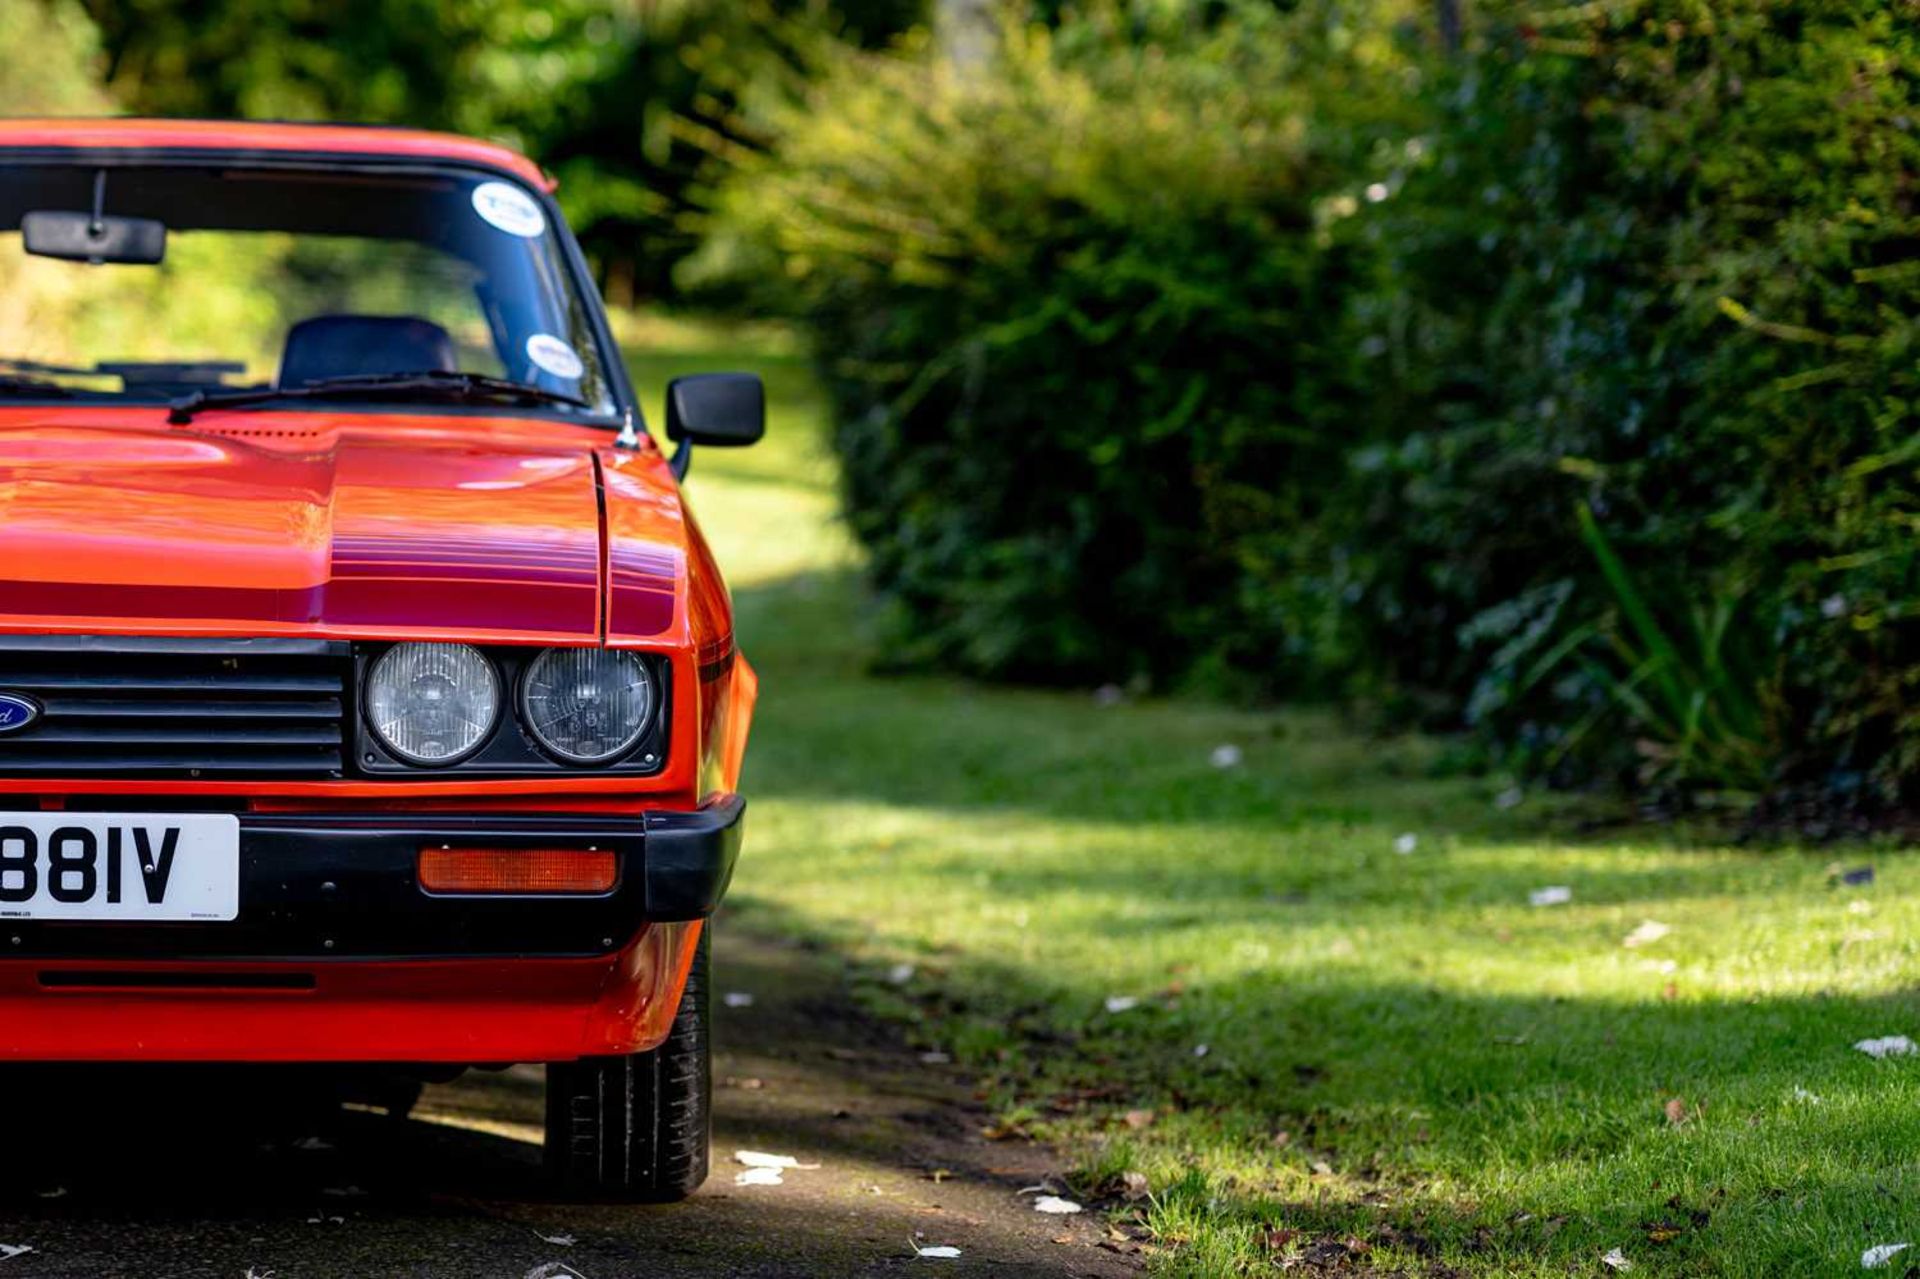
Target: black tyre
x,y
637,1128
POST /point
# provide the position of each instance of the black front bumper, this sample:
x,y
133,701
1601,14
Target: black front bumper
x,y
320,887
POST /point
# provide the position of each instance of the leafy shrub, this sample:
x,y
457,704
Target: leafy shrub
x,y
1656,259
1288,348
1071,309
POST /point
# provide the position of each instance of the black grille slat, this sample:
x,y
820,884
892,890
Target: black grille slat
x,y
34,681
182,735
177,708
78,708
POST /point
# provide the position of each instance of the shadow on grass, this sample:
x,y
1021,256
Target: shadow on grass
x,y
1397,1097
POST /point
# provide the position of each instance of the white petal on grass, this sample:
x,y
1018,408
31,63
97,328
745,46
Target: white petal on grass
x,y
1616,1260
761,1159
1880,1256
1888,1046
1056,1206
1552,895
737,999
900,974
1201,1050
1649,931
1406,843
1511,797
759,1177
1226,756
8,1251
942,1251
1804,1097
1122,1003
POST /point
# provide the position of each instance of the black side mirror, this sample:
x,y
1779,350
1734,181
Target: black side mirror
x,y
727,410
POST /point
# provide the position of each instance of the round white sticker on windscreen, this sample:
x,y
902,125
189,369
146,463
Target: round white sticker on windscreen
x,y
503,205
550,355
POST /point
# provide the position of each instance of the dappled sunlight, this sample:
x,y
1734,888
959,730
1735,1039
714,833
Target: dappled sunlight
x,y
1317,934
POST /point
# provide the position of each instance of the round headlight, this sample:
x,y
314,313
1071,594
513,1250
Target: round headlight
x,y
432,703
587,705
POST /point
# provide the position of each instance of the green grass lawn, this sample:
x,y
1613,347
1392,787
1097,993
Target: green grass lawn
x,y
1338,1041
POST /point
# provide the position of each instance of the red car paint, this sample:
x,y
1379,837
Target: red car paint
x,y
363,526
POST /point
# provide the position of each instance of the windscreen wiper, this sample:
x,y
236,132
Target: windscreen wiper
x,y
31,386
425,384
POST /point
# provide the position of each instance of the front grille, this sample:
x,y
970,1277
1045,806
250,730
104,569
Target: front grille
x,y
136,707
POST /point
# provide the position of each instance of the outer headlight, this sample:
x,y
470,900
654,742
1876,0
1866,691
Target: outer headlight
x,y
587,705
432,704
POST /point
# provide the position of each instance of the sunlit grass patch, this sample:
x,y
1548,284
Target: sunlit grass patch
x,y
1357,1050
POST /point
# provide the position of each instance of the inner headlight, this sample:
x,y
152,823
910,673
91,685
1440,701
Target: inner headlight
x,y
432,703
587,705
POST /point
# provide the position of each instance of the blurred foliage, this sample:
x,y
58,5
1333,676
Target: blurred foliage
x,y
1232,345
62,77
1075,323
624,100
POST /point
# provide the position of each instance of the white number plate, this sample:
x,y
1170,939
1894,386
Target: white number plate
x,y
119,866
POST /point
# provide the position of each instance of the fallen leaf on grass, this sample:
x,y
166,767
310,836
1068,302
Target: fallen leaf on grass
x,y
1056,1206
1138,1119
1888,1046
1881,1256
1616,1260
737,999
759,1177
553,1270
761,1159
1122,1003
1664,1232
1552,895
1677,1112
1649,931
1133,1185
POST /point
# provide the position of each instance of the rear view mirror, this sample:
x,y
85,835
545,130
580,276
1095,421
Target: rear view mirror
x,y
82,237
724,409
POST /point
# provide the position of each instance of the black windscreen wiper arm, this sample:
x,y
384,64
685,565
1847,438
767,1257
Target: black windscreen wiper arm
x,y
427,383
27,386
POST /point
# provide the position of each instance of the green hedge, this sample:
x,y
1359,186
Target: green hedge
x,y
1565,386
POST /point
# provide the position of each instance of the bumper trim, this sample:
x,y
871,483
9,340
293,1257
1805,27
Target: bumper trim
x,y
320,888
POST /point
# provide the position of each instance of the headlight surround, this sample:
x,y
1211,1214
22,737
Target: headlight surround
x,y
588,705
432,704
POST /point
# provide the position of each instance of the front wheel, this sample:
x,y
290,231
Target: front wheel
x,y
637,1128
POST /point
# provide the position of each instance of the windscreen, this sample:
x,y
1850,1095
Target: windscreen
x,y
275,279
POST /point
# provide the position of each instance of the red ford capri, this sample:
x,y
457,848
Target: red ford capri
x,y
367,691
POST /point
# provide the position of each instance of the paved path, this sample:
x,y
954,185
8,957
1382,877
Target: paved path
x,y
197,1173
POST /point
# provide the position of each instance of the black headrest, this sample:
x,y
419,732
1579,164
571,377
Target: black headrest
x,y
347,345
